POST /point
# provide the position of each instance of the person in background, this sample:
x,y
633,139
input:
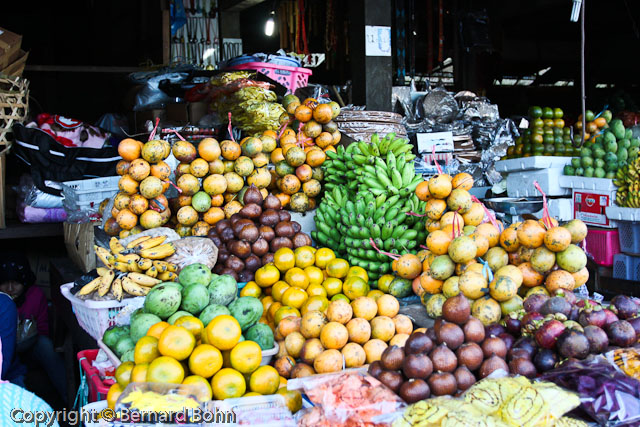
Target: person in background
x,y
12,370
14,397
17,280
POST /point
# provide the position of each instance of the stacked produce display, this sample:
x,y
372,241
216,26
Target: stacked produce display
x,y
547,135
371,209
603,155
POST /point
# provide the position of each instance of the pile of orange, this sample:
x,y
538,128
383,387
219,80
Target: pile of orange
x,y
216,360
322,312
493,266
144,177
308,134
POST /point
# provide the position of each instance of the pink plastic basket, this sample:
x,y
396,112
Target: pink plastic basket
x,y
603,245
290,77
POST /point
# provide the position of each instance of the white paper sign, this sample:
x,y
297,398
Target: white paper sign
x,y
377,40
443,141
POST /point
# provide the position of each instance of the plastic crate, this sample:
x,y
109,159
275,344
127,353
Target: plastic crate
x,y
290,77
629,237
95,317
603,245
87,194
626,267
98,388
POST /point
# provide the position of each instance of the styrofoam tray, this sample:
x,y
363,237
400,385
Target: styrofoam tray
x,y
618,213
531,163
584,183
560,209
521,184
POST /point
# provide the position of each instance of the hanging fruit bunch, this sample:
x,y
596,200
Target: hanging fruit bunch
x,y
492,266
213,177
140,204
368,215
308,133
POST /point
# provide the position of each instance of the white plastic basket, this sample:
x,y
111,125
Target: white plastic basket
x,y
95,317
87,194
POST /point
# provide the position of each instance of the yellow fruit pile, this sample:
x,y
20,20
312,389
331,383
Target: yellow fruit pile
x,y
141,203
216,359
494,267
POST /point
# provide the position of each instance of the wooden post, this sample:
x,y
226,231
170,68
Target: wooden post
x,y
166,33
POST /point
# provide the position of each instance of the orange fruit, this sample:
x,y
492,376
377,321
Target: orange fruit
x,y
126,219
191,324
296,277
334,335
284,259
316,157
304,256
364,307
383,328
354,287
139,373
245,357
213,215
339,311
165,369
388,306
324,140
223,332
113,395
146,350
228,383
359,272
314,274
374,348
156,329
267,275
177,342
278,289
315,303
209,149
333,286
375,294
264,380
202,387
302,114
251,289
294,297
323,113
273,308
359,330
129,149
123,373
337,268
323,256
283,312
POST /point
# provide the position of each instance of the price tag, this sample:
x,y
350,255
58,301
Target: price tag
x,y
442,141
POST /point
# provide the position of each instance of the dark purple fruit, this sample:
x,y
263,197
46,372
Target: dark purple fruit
x,y
621,333
414,390
625,306
418,342
573,344
417,366
597,337
545,359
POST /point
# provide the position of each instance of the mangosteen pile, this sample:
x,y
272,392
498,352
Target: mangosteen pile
x,y
553,328
446,359
248,239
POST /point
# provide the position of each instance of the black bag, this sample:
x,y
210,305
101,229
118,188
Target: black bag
x,y
50,160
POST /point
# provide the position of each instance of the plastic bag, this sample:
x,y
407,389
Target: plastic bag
x,y
347,398
625,360
440,105
257,411
607,395
36,198
150,96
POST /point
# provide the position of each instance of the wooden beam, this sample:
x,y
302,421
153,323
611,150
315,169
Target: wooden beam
x,y
237,5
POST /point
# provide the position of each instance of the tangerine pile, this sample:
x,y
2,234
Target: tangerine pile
x,y
323,312
140,203
492,266
215,358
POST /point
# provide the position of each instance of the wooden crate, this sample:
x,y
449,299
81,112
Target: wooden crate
x,y
78,238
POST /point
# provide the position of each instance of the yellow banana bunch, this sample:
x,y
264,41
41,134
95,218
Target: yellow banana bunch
x,y
116,288
126,258
115,246
158,252
143,279
132,244
149,243
133,288
168,276
102,271
145,263
91,286
122,267
152,272
105,283
104,255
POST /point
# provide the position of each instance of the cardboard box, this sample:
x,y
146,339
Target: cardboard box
x,y
17,67
78,238
590,207
177,114
9,47
197,110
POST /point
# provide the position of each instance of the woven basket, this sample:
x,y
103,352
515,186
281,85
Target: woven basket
x,y
14,105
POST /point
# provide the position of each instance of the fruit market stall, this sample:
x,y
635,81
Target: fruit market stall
x,y
239,306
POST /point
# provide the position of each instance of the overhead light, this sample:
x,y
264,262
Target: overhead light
x,y
543,71
270,25
575,11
